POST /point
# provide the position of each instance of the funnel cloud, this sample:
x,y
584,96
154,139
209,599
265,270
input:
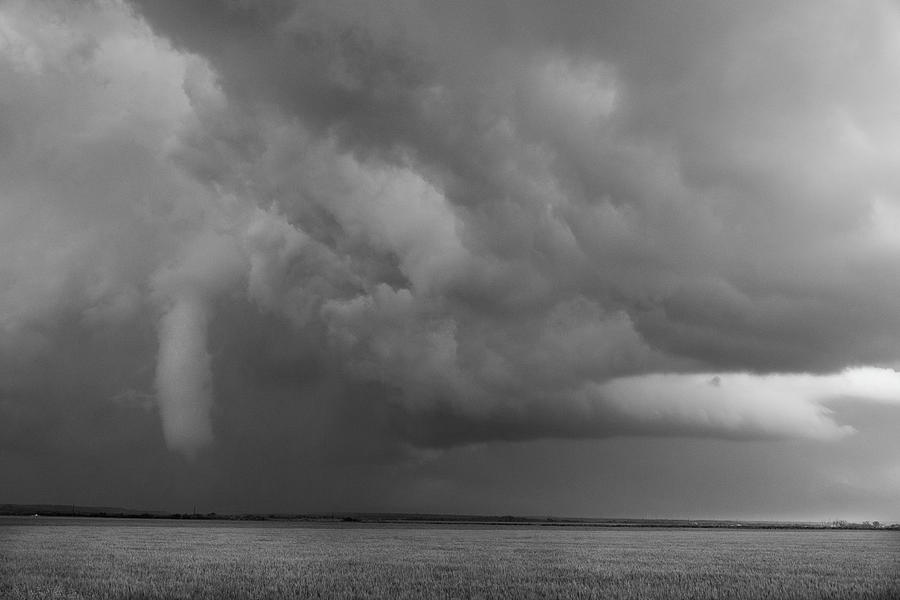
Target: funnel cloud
x,y
183,378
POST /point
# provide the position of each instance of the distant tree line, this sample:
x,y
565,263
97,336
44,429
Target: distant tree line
x,y
841,524
56,510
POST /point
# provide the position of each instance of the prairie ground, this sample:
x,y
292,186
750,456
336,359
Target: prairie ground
x,y
105,559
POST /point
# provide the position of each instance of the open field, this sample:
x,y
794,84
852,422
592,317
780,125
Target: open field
x,y
111,558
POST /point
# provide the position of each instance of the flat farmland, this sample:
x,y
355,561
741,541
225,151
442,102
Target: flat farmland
x,y
110,558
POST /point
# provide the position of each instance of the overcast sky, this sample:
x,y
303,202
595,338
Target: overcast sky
x,y
635,259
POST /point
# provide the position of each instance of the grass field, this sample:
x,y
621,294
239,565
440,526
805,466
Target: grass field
x,y
108,558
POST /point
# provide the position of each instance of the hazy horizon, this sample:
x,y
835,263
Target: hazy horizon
x,y
409,517
609,258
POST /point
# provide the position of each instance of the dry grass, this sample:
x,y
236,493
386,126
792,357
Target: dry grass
x,y
127,559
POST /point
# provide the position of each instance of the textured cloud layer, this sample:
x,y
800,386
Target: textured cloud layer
x,y
480,223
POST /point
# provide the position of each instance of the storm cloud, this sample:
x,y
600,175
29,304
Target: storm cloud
x,y
374,235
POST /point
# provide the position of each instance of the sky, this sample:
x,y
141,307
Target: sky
x,y
601,259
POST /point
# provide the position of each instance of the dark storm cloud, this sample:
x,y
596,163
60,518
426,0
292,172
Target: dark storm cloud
x,y
585,203
714,171
349,235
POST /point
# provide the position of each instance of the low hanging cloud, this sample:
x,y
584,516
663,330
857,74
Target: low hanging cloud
x,y
740,404
501,225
